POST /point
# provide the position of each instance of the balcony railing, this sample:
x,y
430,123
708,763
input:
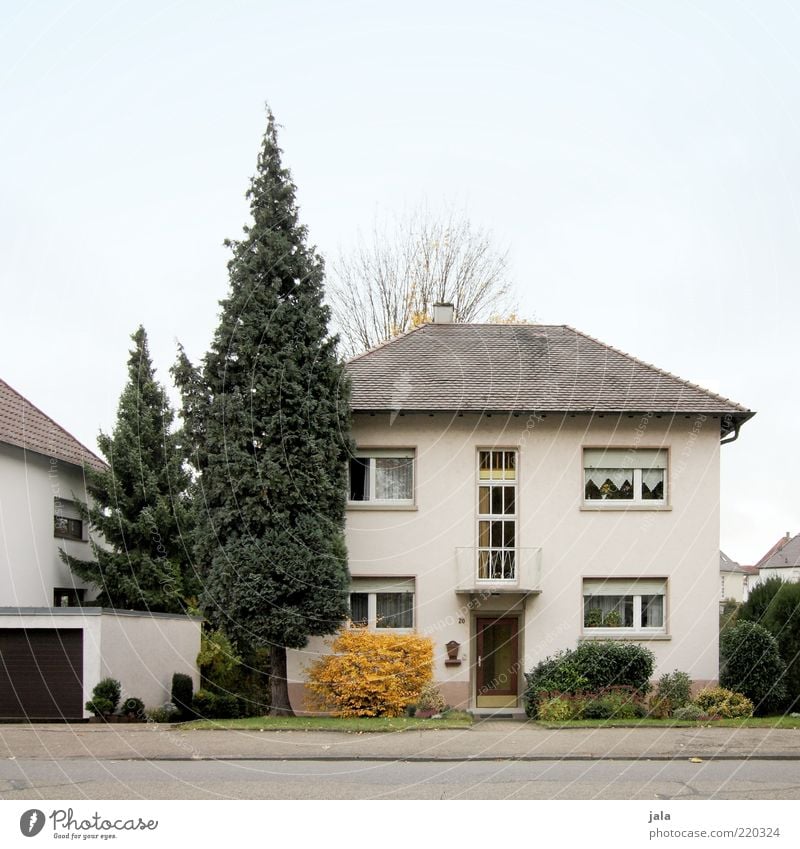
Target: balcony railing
x,y
506,570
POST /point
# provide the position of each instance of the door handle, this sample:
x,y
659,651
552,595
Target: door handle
x,y
479,661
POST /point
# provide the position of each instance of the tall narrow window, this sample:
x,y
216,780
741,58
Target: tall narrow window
x,y
497,515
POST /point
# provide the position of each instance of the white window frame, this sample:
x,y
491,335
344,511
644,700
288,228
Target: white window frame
x,y
630,456
373,454
635,587
490,483
372,588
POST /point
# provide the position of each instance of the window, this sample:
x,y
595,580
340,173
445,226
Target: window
x,y
625,605
626,475
497,515
67,597
67,522
382,603
382,477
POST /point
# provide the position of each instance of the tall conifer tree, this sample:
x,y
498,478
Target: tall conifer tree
x,y
268,414
139,503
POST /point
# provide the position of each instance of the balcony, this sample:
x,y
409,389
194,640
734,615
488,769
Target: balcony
x,y
511,570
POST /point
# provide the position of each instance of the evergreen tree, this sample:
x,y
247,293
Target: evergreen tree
x,y
139,503
268,414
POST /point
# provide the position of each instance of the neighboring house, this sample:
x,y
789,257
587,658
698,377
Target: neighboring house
x,y
781,561
735,580
518,488
54,647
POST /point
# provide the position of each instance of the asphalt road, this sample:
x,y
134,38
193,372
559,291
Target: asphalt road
x,y
252,779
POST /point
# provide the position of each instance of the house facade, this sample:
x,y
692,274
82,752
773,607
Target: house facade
x,y
518,488
54,645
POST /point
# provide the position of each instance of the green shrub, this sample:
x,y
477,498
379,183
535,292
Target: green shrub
x,y
775,604
182,688
593,666
555,709
108,688
166,713
609,663
690,712
226,672
133,707
750,663
660,707
100,706
724,703
613,703
676,688
208,705
594,618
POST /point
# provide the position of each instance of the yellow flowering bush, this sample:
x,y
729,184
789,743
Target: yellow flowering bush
x,y
370,674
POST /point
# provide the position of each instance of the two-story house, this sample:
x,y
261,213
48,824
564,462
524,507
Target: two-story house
x,y
518,488
54,645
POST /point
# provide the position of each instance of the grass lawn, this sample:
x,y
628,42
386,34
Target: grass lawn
x,y
749,722
355,725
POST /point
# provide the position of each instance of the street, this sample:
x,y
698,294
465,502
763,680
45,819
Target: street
x,y
79,778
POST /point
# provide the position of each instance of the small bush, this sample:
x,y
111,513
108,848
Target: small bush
x,y
555,709
558,673
100,706
659,707
133,707
166,713
614,703
208,705
225,671
690,712
108,688
370,674
750,663
182,689
431,699
723,703
676,688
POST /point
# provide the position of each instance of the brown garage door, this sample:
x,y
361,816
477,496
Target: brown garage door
x,y
41,674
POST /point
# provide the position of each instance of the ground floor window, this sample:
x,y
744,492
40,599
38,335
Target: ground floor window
x,y
382,602
624,604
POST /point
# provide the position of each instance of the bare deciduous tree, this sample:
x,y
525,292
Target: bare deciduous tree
x,y
390,281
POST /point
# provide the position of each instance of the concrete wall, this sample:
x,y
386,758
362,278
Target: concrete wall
x,y
679,542
30,566
144,650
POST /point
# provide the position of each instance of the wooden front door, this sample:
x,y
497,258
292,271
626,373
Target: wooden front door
x,y
497,662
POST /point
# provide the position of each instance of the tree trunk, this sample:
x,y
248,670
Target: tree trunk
x,y
278,683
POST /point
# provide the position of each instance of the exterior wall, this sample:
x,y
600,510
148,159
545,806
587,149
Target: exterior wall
x,y
143,651
679,542
791,575
735,586
30,566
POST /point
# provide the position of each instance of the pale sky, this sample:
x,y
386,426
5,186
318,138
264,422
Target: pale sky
x,y
638,159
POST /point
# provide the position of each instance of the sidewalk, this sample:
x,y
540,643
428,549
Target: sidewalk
x,y
483,741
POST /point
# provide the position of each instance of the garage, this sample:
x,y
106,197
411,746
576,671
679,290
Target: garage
x,y
41,674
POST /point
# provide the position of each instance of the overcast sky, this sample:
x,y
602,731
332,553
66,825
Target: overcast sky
x,y
639,160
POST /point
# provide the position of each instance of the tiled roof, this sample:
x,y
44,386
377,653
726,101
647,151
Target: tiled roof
x,y
506,367
27,427
785,554
728,565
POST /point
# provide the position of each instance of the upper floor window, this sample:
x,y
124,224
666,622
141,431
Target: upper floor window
x,y
382,476
67,521
627,475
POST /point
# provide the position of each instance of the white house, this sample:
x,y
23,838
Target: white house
x,y
781,561
54,646
735,580
518,488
